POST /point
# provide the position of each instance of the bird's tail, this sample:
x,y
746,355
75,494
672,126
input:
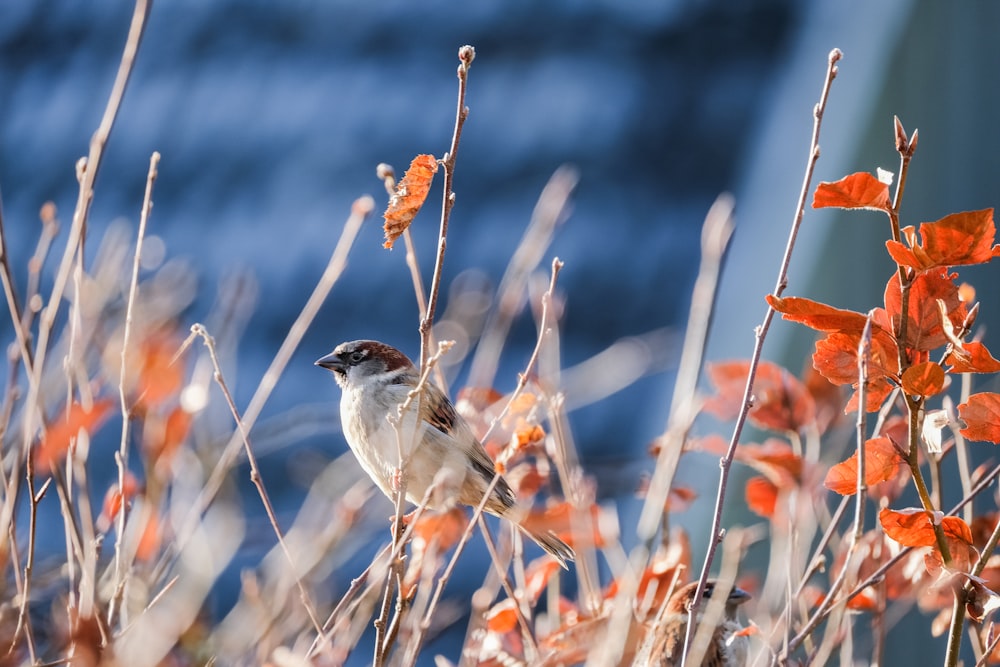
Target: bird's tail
x,y
554,546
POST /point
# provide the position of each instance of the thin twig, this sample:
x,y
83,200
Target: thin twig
x,y
360,210
861,489
466,55
549,211
88,176
255,476
122,458
459,548
715,535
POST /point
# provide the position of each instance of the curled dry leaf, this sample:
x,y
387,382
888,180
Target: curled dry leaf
x,y
411,192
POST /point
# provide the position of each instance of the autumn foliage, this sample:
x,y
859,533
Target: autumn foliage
x,y
843,473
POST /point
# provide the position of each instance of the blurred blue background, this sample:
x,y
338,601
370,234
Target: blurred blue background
x,y
271,117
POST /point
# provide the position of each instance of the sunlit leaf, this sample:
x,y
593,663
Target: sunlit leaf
x,y
981,414
913,528
924,326
564,520
780,401
761,496
924,379
816,315
409,197
954,240
161,377
443,529
977,359
63,430
860,190
882,463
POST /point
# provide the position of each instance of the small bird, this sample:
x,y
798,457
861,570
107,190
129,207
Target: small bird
x,y
376,379
729,646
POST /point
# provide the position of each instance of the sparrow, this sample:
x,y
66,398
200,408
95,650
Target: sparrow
x,y
376,380
729,646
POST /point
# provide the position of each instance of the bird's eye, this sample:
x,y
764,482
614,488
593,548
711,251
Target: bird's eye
x,y
357,356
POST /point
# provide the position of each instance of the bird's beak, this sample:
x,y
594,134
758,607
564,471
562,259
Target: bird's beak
x,y
737,596
331,362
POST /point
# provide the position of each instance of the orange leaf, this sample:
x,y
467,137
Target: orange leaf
x,y
161,438
913,528
680,498
836,359
981,415
977,360
875,396
780,400
561,520
775,458
860,190
537,576
924,379
502,617
149,541
528,434
816,315
62,431
956,239
827,397
410,194
924,329
882,463
761,496
666,567
443,528
160,376
113,501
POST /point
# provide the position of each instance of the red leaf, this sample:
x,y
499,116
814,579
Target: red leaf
x,y
667,567
836,358
149,542
161,377
875,396
956,239
537,576
780,401
113,501
560,519
923,329
409,197
816,315
443,528
977,359
924,379
860,190
62,431
761,496
775,458
913,528
981,415
882,463
502,618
